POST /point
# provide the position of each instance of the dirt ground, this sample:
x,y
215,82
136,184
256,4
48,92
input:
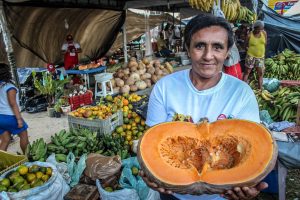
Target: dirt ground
x,y
40,125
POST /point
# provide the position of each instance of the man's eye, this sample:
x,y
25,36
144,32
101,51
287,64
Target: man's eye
x,y
219,47
199,46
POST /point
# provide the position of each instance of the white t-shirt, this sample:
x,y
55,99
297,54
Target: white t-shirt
x,y
5,108
65,47
175,93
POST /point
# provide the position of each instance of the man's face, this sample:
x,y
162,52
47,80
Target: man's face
x,y
208,50
69,39
258,29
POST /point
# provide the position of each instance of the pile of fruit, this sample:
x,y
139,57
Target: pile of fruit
x,y
24,178
232,9
78,141
37,151
284,66
281,104
95,112
113,145
139,75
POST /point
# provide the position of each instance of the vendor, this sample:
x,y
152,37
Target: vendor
x,y
204,92
162,46
70,49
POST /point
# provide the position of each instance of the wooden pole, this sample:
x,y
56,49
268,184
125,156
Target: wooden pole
x,y
8,45
125,42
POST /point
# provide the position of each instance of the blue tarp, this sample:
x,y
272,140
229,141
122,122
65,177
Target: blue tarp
x,y
24,73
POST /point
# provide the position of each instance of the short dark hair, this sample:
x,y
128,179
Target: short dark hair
x,y
202,21
5,73
69,37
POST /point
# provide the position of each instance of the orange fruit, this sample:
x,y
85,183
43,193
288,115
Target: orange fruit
x,y
22,170
125,102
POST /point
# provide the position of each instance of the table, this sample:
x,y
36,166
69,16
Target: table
x,y
86,73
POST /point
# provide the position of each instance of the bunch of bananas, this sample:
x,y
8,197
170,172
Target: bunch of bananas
x,y
202,5
284,66
37,151
231,9
282,104
246,15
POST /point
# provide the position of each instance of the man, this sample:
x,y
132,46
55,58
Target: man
x,y
70,49
204,92
256,46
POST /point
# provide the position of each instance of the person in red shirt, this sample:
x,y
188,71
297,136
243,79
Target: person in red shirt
x,y
70,50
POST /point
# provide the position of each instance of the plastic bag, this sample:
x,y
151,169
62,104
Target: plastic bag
x,y
102,167
54,189
265,117
75,170
124,194
128,180
289,154
279,126
271,84
61,167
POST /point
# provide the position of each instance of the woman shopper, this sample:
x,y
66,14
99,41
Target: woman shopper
x,y
256,46
11,121
204,92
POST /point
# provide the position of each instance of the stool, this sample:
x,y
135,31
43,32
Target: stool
x,y
103,78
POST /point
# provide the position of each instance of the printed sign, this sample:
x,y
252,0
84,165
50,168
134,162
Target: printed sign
x,y
281,6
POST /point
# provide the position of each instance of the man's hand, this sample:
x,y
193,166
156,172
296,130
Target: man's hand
x,y
152,184
245,193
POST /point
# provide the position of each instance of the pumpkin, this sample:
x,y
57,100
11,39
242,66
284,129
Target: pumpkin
x,y
207,157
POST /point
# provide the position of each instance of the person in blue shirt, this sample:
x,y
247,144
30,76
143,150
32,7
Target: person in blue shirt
x,y
204,91
11,121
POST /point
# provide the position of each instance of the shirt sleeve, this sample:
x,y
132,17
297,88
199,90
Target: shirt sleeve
x,y
249,109
77,46
156,110
64,47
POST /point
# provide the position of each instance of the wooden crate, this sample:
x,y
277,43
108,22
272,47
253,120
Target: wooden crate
x,y
83,192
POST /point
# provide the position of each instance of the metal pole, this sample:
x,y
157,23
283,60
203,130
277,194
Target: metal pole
x,y
8,45
125,42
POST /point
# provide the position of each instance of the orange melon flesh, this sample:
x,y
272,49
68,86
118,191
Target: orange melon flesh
x,y
163,171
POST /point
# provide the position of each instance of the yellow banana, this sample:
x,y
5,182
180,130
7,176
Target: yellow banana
x,y
265,97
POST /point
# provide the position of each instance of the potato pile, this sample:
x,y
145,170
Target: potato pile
x,y
139,75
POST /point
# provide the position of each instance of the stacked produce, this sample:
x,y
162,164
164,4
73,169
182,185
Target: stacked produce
x,y
134,126
113,145
281,105
139,75
232,9
284,66
37,151
78,141
95,112
24,178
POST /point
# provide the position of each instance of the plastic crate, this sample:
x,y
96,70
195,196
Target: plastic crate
x,y
11,160
105,126
81,100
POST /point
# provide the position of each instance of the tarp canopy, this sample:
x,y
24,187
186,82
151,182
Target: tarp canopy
x,y
39,32
283,32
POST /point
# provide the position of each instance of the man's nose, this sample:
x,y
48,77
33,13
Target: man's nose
x,y
208,53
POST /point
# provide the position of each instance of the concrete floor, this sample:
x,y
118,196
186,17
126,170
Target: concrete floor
x,y
40,126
